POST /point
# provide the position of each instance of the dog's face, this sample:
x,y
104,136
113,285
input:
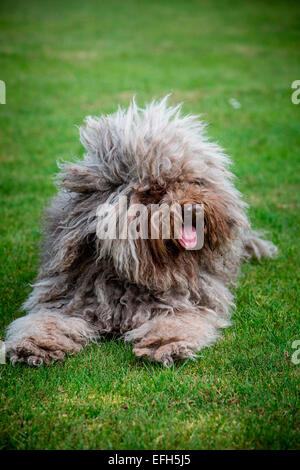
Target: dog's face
x,y
155,157
196,222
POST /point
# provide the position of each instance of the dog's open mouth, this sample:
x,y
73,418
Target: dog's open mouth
x,y
188,237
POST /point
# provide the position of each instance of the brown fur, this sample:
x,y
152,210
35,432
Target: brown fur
x,y
169,301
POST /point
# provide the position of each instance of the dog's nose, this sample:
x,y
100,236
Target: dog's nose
x,y
192,208
197,208
191,212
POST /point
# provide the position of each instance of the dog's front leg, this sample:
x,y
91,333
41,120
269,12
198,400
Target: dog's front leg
x,y
176,336
46,336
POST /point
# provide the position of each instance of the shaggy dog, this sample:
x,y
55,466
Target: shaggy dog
x,y
169,300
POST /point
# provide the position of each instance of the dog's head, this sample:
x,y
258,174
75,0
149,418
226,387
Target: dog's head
x,y
142,164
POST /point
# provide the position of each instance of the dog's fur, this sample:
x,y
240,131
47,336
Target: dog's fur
x,y
168,301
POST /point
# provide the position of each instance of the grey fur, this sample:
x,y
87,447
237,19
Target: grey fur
x,y
170,306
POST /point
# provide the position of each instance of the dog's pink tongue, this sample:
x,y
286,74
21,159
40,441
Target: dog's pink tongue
x,y
188,237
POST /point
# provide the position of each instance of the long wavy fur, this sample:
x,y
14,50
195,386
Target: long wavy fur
x,y
169,301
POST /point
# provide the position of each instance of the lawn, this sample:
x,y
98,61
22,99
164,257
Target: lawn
x,y
64,60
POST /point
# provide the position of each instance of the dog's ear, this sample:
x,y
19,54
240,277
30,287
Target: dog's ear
x,y
70,228
80,178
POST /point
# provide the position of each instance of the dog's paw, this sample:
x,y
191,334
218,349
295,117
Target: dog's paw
x,y
28,352
41,338
165,353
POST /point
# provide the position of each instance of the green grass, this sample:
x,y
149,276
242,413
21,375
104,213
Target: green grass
x,y
64,60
